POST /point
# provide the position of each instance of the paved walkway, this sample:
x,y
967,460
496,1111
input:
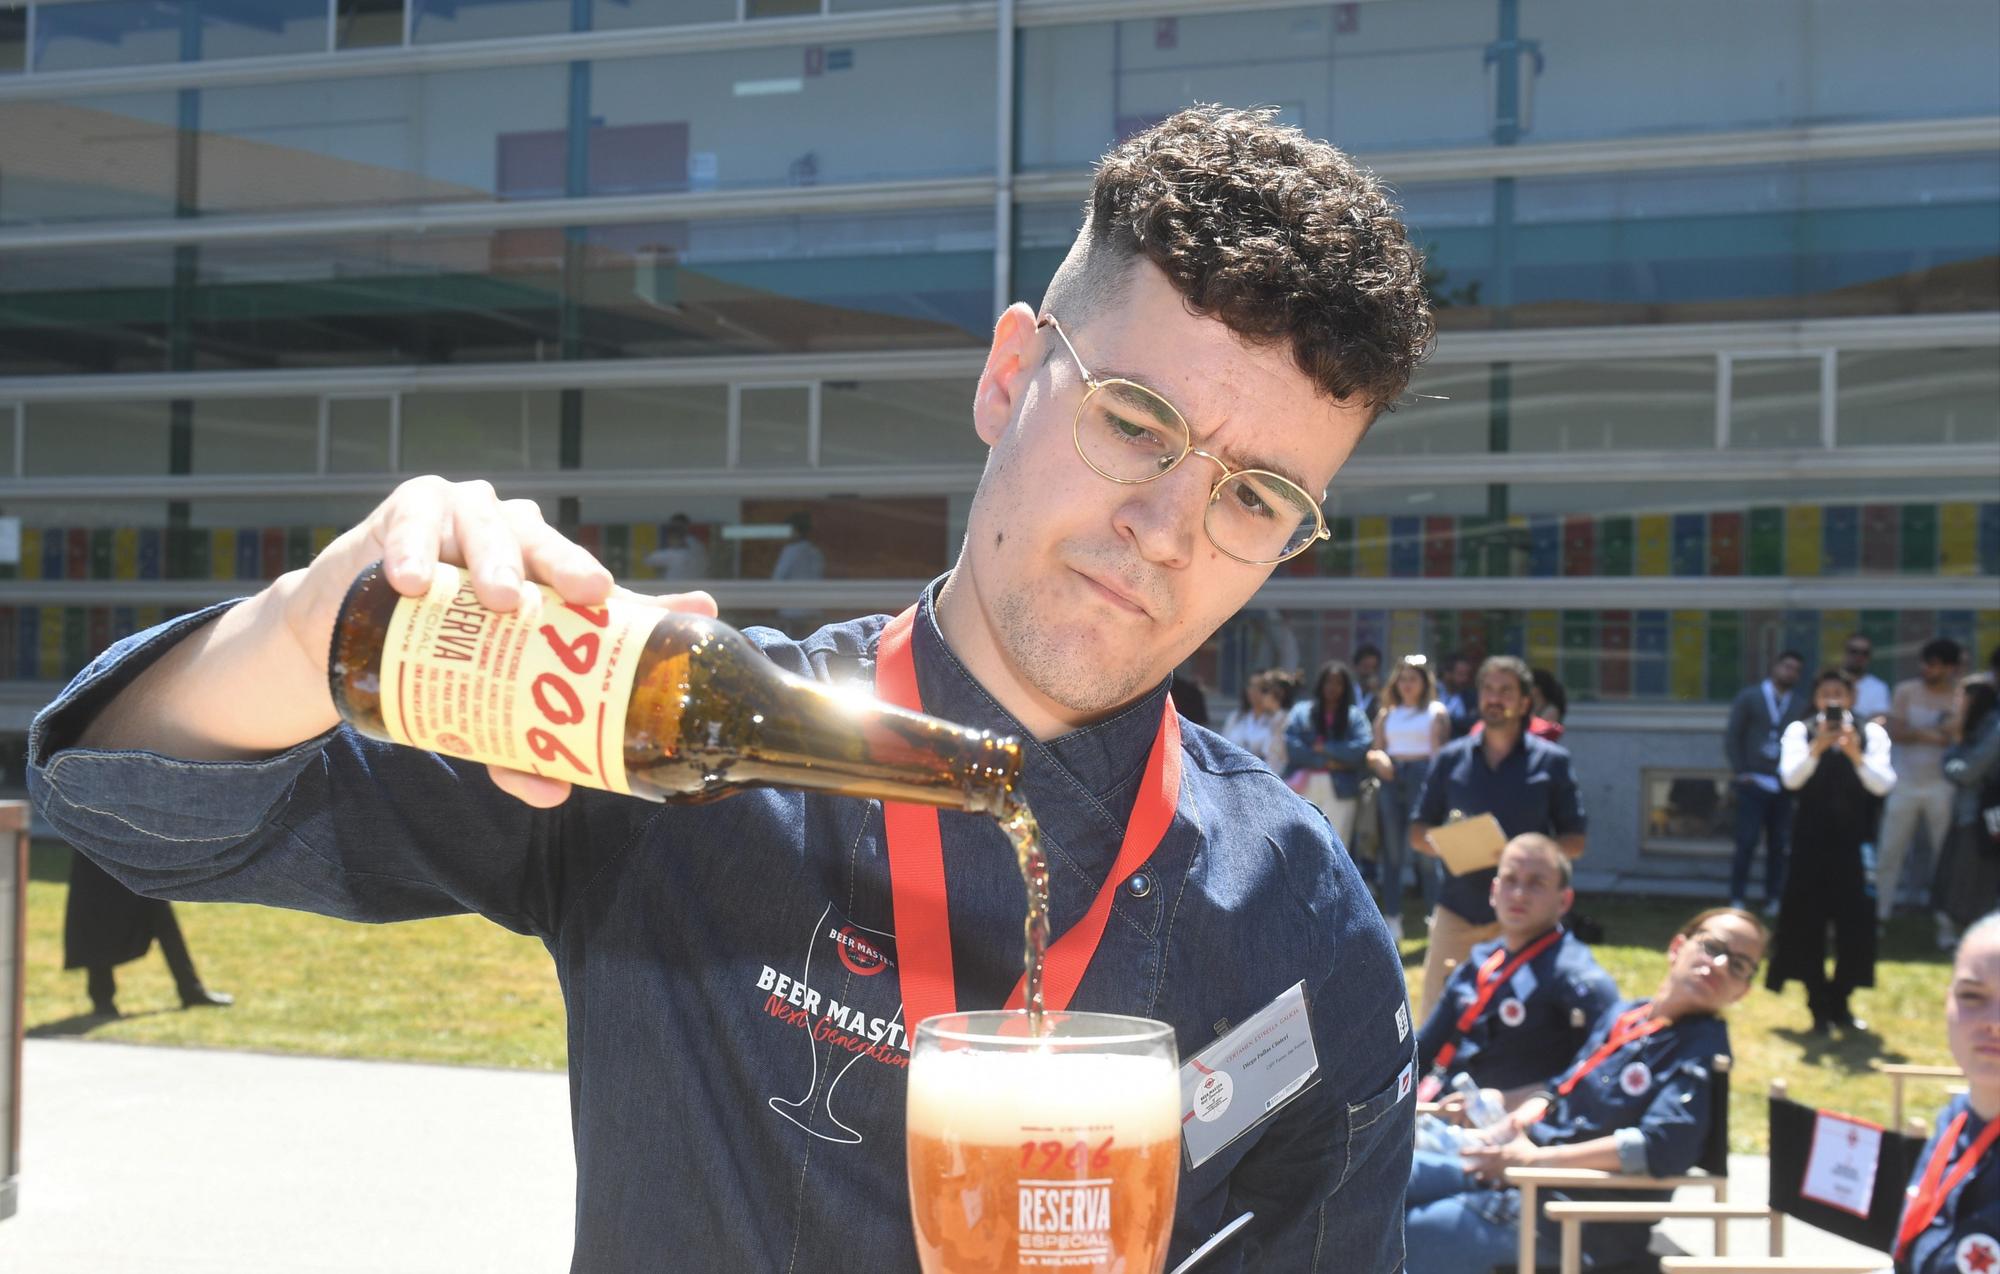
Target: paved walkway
x,y
167,1160
183,1161
1749,1179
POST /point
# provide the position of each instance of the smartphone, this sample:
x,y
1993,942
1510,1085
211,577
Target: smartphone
x,y
1834,718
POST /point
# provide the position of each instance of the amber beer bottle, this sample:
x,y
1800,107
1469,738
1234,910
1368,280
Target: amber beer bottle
x,y
635,699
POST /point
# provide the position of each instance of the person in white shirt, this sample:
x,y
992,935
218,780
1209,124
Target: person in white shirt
x,y
1410,726
800,559
1921,716
1871,693
680,555
1836,764
1258,727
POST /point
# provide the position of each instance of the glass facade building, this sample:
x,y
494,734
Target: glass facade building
x,y
1718,289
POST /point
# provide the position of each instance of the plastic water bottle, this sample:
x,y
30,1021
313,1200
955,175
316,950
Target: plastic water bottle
x,y
1481,1109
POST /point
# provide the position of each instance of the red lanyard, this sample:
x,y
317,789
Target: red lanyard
x,y
916,859
1632,1024
1927,1198
1490,982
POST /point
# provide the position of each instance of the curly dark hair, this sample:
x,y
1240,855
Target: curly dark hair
x,y
1280,237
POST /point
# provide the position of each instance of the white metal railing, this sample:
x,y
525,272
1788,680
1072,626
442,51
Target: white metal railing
x,y
1807,144
1401,168
1973,463
948,18
1807,337
495,214
417,59
860,597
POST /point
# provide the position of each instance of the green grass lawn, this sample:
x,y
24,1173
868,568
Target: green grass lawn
x,y
459,989
463,990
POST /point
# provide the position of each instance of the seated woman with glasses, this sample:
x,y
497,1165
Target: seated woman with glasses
x,y
1637,1099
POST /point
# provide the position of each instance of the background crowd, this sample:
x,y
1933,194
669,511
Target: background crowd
x,y
1832,768
1523,1036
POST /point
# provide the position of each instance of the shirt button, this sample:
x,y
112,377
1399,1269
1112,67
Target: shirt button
x,y
1139,885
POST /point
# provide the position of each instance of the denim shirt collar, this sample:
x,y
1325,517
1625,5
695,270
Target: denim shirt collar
x,y
1083,783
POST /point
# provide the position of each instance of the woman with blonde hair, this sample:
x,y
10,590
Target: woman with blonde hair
x,y
1410,726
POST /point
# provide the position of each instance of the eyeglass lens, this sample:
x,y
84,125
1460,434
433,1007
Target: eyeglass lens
x,y
1740,967
1129,433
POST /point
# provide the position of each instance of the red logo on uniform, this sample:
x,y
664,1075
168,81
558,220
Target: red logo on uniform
x,y
1977,1254
1635,1079
857,953
1512,1012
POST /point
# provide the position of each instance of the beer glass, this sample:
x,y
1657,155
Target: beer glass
x,y
1052,1152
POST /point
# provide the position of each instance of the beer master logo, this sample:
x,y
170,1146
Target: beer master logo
x,y
844,1011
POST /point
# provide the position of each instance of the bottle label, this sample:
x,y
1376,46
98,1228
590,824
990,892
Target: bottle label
x,y
542,689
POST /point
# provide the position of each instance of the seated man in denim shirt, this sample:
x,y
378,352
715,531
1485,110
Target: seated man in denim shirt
x,y
737,1071
1515,1013
1637,1099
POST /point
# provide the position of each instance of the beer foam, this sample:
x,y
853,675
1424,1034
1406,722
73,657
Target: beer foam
x,y
1000,1098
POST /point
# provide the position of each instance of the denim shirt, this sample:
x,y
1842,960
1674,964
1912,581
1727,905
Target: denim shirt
x,y
724,1120
1661,1087
1967,766
1971,1209
1532,790
1308,747
1560,996
1654,1097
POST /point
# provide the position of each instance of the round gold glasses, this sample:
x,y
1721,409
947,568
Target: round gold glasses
x,y
1130,434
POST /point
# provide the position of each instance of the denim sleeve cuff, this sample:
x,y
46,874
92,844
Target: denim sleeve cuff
x,y
59,724
1631,1143
97,796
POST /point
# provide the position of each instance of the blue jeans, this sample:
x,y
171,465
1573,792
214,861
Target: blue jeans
x,y
1394,804
1455,1223
1767,815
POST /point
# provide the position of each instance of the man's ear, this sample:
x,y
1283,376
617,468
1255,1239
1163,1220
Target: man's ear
x,y
1010,365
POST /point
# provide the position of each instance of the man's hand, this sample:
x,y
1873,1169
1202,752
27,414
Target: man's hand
x,y
253,682
1451,1109
1490,1163
505,547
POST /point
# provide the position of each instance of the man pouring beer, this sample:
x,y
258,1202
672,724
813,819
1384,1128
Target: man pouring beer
x,y
744,977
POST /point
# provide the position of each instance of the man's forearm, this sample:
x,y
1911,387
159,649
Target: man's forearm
x,y
1600,1153
237,688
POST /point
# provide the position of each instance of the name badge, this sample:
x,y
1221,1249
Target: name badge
x,y
1840,1168
1240,1080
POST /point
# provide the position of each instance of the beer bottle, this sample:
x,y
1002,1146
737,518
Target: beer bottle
x,y
634,699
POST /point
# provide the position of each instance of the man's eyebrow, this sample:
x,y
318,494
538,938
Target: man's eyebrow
x,y
1125,394
1235,459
